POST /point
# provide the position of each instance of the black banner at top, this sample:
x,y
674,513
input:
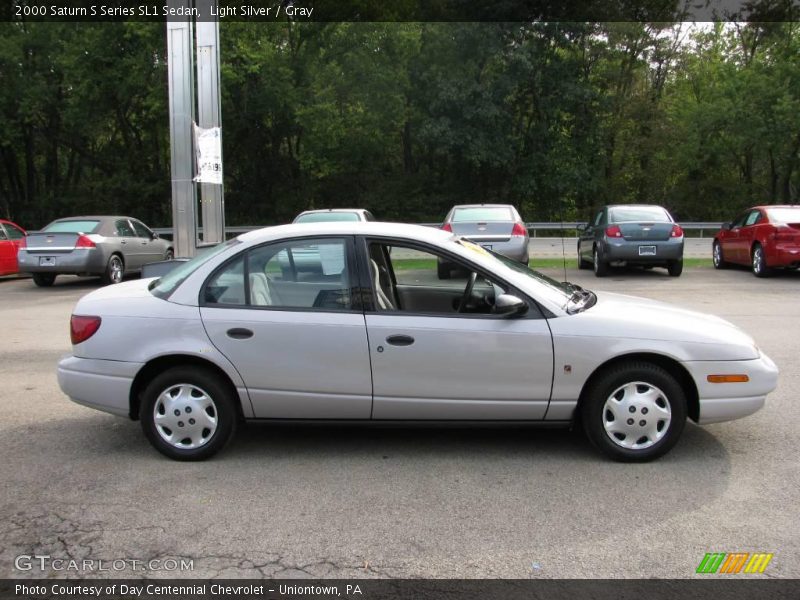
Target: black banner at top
x,y
400,10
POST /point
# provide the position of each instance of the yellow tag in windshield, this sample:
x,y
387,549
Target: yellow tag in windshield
x,y
474,247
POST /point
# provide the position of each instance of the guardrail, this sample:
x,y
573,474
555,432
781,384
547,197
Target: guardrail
x,y
533,227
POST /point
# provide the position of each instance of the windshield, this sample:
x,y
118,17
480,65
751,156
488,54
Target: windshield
x,y
638,213
72,227
483,213
784,215
163,287
325,217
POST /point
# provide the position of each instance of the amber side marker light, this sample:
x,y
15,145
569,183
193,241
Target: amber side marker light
x,y
728,378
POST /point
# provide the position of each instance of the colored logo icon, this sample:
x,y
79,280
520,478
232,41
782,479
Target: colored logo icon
x,y
734,562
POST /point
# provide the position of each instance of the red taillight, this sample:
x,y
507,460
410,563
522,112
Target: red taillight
x,y
81,328
519,229
614,231
677,231
84,242
447,227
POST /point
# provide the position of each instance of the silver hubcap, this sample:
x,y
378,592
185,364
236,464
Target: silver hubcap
x,y
636,415
596,260
116,270
757,258
717,256
185,416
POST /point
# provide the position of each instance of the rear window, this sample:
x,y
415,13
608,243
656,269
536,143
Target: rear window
x,y
163,287
483,213
327,217
72,227
638,213
784,215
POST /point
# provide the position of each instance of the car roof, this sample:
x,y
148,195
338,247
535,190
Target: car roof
x,y
93,218
763,206
412,232
328,210
484,205
635,206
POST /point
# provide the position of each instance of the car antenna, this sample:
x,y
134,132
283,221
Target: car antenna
x,y
563,251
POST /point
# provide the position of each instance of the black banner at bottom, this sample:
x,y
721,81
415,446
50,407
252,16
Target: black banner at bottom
x,y
400,589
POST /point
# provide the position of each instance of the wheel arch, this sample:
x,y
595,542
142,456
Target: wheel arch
x,y
160,364
669,364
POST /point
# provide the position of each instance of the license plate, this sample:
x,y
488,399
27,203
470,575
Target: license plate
x,y
647,250
487,246
47,261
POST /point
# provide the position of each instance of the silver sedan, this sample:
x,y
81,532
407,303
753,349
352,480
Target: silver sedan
x,y
372,335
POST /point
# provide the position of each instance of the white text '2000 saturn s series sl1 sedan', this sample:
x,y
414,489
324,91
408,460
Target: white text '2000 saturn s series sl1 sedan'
x,y
349,322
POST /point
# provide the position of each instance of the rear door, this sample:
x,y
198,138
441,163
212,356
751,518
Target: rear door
x,y
132,253
8,259
13,239
296,336
150,249
431,362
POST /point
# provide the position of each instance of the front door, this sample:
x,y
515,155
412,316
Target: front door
x,y
440,354
286,316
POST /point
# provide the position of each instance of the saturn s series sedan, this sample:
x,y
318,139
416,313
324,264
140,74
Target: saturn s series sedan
x,y
372,335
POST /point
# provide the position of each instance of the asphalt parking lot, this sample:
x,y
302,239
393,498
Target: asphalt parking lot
x,y
358,502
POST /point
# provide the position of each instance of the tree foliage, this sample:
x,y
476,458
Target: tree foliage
x,y
407,119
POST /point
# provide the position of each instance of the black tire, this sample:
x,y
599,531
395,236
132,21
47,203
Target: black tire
x,y
599,263
224,411
443,270
758,262
582,264
716,256
115,270
44,279
675,268
594,415
169,255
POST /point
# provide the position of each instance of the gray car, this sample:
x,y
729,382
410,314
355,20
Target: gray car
x,y
631,234
333,215
496,227
106,246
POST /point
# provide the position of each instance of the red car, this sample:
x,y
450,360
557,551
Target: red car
x,y
11,236
763,237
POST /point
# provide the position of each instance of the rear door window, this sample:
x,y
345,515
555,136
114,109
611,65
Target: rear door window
x,y
13,233
124,228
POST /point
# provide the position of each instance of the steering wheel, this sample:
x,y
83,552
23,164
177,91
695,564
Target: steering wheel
x,y
467,292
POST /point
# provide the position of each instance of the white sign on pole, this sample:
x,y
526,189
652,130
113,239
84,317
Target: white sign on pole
x,y
208,150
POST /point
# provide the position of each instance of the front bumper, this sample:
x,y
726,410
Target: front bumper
x,y
728,401
76,262
616,249
101,384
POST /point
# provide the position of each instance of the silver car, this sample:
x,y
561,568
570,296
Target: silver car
x,y
496,227
375,337
106,246
333,214
631,234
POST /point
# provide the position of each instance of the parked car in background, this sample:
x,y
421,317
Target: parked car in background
x,y
100,245
763,237
334,214
375,337
496,227
11,236
631,234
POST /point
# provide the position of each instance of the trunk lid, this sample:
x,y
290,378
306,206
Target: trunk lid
x,y
486,231
51,243
646,231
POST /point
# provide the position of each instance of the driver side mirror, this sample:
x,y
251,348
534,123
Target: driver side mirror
x,y
581,226
726,226
155,235
509,306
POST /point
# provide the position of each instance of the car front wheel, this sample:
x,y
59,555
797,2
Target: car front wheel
x,y
188,413
716,254
634,412
600,265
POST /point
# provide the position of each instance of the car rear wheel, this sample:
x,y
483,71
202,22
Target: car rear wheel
x,y
600,265
114,270
634,412
760,268
44,279
716,256
675,268
188,413
169,255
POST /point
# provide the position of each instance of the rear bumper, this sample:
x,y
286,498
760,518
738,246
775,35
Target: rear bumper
x,y
101,384
624,250
516,249
783,255
728,401
79,261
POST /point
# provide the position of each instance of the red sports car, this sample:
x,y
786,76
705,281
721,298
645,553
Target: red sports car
x,y
11,236
763,237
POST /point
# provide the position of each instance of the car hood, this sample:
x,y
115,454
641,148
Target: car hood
x,y
621,316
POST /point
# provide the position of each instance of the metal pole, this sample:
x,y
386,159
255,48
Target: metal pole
x,y
181,117
208,109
